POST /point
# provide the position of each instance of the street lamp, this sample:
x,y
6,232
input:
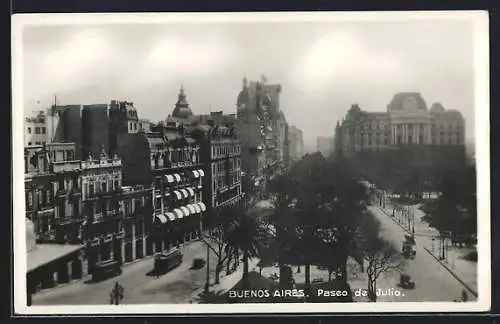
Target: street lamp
x,y
207,283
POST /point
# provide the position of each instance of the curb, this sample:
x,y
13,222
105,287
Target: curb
x,y
472,291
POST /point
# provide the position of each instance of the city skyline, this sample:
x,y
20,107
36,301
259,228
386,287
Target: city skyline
x,y
359,62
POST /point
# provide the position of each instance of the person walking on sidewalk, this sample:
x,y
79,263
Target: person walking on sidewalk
x,y
116,294
464,295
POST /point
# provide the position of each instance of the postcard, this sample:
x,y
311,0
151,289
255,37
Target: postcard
x,y
212,163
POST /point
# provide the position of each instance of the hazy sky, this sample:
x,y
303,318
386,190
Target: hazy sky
x,y
323,67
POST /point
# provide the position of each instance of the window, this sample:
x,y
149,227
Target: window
x,y
91,189
29,143
37,130
37,143
410,139
29,130
43,130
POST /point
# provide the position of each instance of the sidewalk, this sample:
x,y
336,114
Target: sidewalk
x,y
463,270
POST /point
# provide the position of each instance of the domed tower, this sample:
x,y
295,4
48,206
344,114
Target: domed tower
x,y
182,109
243,96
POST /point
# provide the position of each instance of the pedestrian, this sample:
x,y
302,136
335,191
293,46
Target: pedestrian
x,y
464,295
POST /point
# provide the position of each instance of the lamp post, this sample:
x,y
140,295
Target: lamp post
x,y
207,283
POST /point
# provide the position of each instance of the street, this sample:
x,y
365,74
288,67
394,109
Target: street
x,y
433,281
174,287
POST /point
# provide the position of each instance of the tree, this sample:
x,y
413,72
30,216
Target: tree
x,y
455,210
245,234
380,256
217,239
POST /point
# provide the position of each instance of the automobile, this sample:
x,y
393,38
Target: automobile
x,y
166,261
405,282
106,269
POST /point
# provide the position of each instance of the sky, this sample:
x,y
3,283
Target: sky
x,y
323,67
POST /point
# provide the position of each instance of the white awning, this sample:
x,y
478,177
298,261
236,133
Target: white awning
x,y
169,178
177,177
161,218
197,208
191,208
191,191
178,213
202,174
202,206
178,194
170,216
185,193
186,211
196,174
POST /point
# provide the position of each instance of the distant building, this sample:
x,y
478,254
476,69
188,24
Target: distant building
x,y
262,128
296,143
325,145
406,122
407,146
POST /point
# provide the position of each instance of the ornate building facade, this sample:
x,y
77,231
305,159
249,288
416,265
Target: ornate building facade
x,y
221,156
261,126
407,122
169,163
79,212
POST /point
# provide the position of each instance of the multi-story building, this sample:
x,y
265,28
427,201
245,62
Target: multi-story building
x,y
71,202
169,163
406,148
296,143
221,155
406,122
35,130
325,145
252,130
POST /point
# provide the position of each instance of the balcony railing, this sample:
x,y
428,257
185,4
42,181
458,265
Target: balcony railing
x,y
68,220
102,194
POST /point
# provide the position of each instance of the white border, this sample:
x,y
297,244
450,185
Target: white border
x,y
481,87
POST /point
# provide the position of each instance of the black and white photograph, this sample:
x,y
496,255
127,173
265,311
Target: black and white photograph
x,y
251,162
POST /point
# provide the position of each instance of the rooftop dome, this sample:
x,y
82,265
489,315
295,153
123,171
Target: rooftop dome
x,y
437,107
30,235
407,101
243,96
182,109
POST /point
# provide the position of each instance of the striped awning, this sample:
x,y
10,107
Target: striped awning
x,y
196,174
197,208
161,218
202,206
186,211
185,193
171,217
202,174
178,194
191,208
177,177
169,178
178,213
191,191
